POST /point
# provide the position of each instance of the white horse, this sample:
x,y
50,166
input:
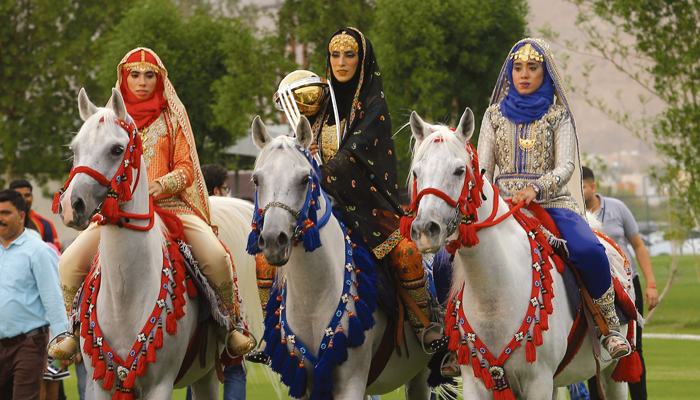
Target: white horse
x,y
131,260
497,273
315,280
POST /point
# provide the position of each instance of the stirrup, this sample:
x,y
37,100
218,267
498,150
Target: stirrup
x,y
259,357
450,360
244,348
623,349
58,353
436,345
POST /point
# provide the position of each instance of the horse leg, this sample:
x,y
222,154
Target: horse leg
x,y
613,390
207,387
540,387
417,388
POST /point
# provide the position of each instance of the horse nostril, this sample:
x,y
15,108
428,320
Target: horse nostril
x,y
79,206
261,242
434,229
283,239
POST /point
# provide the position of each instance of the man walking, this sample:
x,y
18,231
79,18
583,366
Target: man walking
x,y
30,302
619,224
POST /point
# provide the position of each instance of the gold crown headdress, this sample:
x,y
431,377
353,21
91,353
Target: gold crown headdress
x,y
342,42
142,65
526,53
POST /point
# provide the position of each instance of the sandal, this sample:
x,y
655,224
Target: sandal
x,y
258,356
450,367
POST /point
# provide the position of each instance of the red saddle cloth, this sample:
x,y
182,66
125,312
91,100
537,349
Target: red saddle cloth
x,y
628,368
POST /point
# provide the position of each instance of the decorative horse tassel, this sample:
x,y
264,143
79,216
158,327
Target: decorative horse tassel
x,y
171,323
340,347
507,394
109,378
454,339
177,306
298,387
405,225
544,319
364,314
158,342
467,235
530,352
475,364
191,290
141,365
252,247
628,369
487,378
537,334
312,240
322,375
130,379
463,354
100,369
110,208
279,357
291,364
356,336
151,352
56,200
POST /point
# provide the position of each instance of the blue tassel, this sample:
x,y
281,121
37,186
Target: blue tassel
x,y
279,358
319,395
322,374
365,281
340,348
364,314
357,334
312,240
367,293
272,339
291,364
298,387
252,248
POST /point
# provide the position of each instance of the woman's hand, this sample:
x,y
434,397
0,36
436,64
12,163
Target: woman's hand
x,y
527,195
155,188
313,148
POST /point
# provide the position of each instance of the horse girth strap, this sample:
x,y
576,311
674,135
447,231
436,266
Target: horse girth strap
x,y
381,358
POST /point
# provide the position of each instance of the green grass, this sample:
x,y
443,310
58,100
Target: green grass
x,y
673,369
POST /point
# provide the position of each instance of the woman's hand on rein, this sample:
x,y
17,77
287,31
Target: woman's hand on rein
x,y
527,195
313,148
155,188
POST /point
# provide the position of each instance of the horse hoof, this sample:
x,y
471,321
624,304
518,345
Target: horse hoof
x,y
258,357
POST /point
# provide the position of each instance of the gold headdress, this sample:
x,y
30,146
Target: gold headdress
x,y
343,42
526,53
146,63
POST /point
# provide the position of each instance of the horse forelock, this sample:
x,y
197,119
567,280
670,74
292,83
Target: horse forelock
x,y
90,126
441,135
280,144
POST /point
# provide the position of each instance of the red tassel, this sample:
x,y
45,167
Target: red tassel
x,y
151,353
544,319
628,369
171,324
141,366
454,339
475,365
100,370
110,209
547,299
405,226
507,394
84,327
56,200
109,380
158,342
488,380
130,380
467,235
191,291
463,354
95,356
177,306
537,335
530,352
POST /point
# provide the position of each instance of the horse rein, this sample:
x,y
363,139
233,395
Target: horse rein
x,y
120,184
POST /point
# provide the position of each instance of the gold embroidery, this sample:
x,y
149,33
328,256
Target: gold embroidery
x,y
149,138
343,42
391,242
68,296
527,52
329,140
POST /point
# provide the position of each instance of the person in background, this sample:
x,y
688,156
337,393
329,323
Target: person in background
x,y
34,220
619,224
234,375
30,302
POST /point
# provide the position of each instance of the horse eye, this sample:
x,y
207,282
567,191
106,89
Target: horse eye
x,y
306,180
459,171
117,150
255,180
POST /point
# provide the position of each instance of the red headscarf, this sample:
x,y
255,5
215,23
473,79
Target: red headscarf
x,y
143,111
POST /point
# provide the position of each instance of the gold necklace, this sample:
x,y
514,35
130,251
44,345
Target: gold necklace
x,y
525,143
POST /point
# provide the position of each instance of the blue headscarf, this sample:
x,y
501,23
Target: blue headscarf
x,y
523,109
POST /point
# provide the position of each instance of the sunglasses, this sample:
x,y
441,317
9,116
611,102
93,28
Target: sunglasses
x,y
225,189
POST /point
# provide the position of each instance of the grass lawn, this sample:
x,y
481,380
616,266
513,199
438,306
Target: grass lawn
x,y
673,366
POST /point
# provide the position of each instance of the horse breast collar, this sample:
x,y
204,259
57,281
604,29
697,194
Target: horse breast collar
x,y
120,186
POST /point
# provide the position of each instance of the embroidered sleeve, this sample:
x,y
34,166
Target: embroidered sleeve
x,y
486,147
550,184
182,174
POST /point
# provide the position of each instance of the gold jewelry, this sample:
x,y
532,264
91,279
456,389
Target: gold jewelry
x,y
142,65
343,42
526,143
527,52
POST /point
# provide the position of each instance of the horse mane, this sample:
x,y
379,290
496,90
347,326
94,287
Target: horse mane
x,y
284,143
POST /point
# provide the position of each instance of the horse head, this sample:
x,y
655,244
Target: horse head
x,y
442,165
282,177
98,151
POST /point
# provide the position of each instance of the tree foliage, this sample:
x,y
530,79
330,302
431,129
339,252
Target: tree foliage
x,y
656,44
439,57
46,48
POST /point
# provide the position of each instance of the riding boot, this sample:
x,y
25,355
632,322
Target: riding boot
x,y
238,344
615,343
67,348
265,275
408,264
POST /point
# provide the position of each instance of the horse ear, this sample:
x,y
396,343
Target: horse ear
x,y
418,127
260,135
465,129
117,102
85,106
304,135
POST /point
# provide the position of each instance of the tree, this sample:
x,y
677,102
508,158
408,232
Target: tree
x,y
438,57
46,48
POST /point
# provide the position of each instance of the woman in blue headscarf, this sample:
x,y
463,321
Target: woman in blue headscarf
x,y
529,133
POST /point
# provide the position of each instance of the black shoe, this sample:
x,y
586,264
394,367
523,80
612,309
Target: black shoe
x,y
438,345
258,356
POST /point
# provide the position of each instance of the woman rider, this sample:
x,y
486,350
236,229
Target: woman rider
x,y
360,171
175,182
529,132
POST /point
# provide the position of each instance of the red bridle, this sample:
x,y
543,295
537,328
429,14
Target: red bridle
x,y
467,204
119,186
